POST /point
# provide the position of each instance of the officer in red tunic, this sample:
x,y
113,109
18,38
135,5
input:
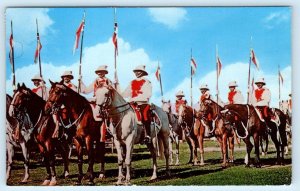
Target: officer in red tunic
x,y
205,94
179,100
139,93
234,96
261,99
67,76
100,82
290,104
40,88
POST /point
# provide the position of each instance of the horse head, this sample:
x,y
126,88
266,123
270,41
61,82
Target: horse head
x,y
19,101
206,108
181,113
104,96
166,106
56,97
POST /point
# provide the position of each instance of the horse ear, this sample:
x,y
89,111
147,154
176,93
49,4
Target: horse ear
x,y
18,86
52,83
169,101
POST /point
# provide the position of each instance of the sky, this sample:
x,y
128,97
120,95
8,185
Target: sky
x,y
151,35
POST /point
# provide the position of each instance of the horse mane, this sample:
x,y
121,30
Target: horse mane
x,y
79,99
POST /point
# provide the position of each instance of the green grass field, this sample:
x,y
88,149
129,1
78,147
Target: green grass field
x,y
184,174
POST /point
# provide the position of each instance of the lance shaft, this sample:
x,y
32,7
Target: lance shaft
x,y
191,78
80,60
12,57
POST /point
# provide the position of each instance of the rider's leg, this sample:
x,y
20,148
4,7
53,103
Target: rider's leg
x,y
137,111
55,132
146,119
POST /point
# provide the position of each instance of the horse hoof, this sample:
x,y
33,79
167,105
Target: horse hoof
x,y
202,164
247,166
77,183
101,176
90,183
53,183
127,183
263,154
177,164
119,182
46,183
153,178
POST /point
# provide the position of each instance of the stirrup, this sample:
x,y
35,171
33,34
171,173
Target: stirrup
x,y
139,122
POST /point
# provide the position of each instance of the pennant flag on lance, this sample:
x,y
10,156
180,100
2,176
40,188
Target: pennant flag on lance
x,y
38,48
77,36
280,77
11,46
254,59
157,73
193,65
115,37
219,66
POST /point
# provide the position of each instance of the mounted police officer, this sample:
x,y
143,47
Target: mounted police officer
x,y
139,93
234,95
179,100
98,83
40,88
67,76
261,99
205,94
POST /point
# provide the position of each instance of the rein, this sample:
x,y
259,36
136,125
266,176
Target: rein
x,y
71,124
245,127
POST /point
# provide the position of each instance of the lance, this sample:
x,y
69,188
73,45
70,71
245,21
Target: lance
x,y
80,60
249,73
191,79
279,92
11,56
217,68
116,48
39,55
161,89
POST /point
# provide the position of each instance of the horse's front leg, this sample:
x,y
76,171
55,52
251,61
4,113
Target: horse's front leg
x,y
170,151
90,150
223,145
177,150
10,154
26,161
191,150
120,162
101,149
256,146
201,145
152,148
64,148
276,143
45,154
78,144
249,147
231,147
51,158
129,149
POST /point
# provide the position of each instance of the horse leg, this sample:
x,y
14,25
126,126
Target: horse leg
x,y
89,148
120,161
51,158
223,145
102,162
231,147
10,154
263,152
64,151
79,150
128,158
191,151
177,150
249,147
45,154
170,151
276,143
152,148
26,161
166,152
256,147
201,145
194,151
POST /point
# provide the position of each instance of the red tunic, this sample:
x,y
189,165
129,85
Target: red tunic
x,y
136,86
178,103
259,93
99,83
231,96
35,90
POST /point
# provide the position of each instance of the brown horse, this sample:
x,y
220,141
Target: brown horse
x,y
88,130
247,122
224,132
27,103
186,122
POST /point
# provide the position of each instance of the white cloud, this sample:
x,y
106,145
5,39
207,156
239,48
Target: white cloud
x,y
238,72
24,23
102,53
276,18
171,17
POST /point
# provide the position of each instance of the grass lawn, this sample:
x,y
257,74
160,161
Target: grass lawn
x,y
184,174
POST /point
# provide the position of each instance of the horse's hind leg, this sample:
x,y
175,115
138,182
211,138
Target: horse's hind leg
x,y
26,161
276,143
191,150
152,149
120,161
128,157
64,150
10,154
256,146
231,147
